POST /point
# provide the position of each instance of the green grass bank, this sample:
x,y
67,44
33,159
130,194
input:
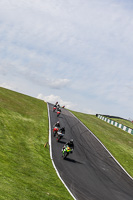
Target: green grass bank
x,y
26,170
117,141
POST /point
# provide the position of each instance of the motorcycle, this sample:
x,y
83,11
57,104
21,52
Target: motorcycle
x,y
60,134
65,151
58,113
55,129
54,109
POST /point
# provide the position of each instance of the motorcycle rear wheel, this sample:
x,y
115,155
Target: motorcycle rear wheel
x,y
54,133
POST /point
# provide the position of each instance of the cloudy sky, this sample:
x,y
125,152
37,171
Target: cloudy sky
x,y
77,52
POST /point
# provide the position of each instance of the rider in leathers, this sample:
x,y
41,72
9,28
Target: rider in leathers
x,y
70,144
57,124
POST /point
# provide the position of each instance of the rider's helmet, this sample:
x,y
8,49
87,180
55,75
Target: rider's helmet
x,y
58,122
71,141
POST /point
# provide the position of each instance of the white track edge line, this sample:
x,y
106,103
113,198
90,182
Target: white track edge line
x,y
103,146
52,156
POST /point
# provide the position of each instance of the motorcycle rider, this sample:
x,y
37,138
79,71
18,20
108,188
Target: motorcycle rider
x,y
59,109
57,124
69,144
62,130
54,107
58,106
60,133
56,127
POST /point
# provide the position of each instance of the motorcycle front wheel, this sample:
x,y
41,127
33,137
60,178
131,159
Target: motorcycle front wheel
x,y
65,155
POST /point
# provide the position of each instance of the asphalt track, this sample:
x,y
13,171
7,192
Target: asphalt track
x,y
89,172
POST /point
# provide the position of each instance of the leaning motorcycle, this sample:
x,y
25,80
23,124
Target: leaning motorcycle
x,y
65,151
54,109
55,130
59,135
58,113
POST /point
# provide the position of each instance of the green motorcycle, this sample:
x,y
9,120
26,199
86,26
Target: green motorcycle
x,y
65,151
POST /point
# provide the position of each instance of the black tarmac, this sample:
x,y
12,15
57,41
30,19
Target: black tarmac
x,y
89,172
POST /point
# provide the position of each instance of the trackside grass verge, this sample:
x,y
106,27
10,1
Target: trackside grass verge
x,y
117,141
26,170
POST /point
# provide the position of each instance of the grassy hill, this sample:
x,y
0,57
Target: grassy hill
x,y
26,171
117,141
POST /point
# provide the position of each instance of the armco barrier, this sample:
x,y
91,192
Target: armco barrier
x,y
121,126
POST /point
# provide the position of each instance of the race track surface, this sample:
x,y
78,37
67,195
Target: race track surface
x,y
89,172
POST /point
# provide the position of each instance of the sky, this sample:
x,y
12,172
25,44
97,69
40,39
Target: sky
x,y
76,52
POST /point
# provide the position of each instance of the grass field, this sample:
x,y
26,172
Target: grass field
x,y
26,171
117,141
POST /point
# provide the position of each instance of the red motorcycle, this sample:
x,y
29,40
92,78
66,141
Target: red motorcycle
x,y
58,113
54,109
55,130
